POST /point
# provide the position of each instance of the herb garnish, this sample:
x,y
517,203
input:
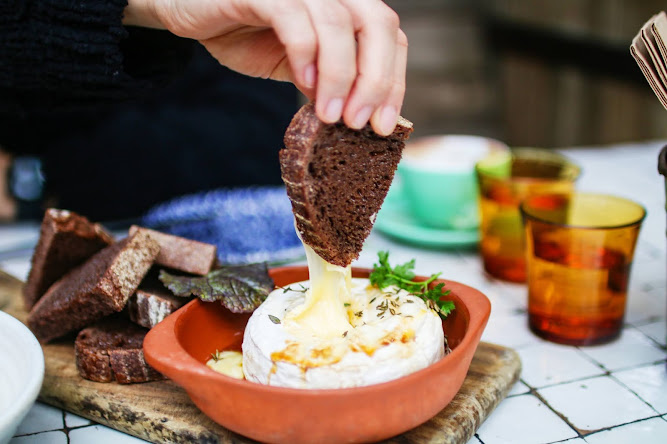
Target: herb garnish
x,y
216,356
274,319
402,276
240,288
301,289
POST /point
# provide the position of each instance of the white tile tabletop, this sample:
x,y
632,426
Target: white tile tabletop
x,y
649,431
649,383
537,422
656,331
546,364
614,393
55,437
596,403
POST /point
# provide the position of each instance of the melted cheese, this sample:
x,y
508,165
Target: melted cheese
x,y
228,363
323,313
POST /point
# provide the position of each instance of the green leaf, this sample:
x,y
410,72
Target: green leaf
x,y
383,276
240,288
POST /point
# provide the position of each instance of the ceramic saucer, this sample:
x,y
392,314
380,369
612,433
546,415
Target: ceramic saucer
x,y
395,220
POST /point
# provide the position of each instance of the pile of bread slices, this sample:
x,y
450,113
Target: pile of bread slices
x,y
82,281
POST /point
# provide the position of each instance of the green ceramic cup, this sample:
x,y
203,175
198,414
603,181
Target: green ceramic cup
x,y
438,179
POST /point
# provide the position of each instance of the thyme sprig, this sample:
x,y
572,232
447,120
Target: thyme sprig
x,y
402,276
301,289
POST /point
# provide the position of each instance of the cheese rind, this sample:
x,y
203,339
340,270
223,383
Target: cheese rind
x,y
391,334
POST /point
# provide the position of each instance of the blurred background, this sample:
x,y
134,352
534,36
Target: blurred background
x,y
553,73
548,73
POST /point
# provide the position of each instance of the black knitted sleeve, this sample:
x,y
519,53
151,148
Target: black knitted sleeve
x,y
73,54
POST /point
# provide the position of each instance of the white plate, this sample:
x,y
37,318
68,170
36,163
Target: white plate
x,y
21,373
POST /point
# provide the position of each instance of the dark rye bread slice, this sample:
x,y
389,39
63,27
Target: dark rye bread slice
x,y
180,253
337,179
65,241
151,303
149,307
112,349
95,289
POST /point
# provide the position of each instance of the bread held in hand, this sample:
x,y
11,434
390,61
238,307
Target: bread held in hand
x,y
337,179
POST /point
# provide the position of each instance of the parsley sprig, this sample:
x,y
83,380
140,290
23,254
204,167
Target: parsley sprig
x,y
402,276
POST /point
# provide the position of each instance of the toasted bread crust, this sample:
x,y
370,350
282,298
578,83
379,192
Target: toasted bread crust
x,y
97,288
148,307
112,350
66,240
180,253
337,179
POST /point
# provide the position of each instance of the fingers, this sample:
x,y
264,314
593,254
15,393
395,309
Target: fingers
x,y
384,118
294,28
349,55
336,57
377,59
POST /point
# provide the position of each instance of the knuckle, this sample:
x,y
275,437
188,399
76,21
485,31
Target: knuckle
x,y
401,38
375,88
382,89
340,76
284,7
298,44
337,17
398,87
390,18
175,19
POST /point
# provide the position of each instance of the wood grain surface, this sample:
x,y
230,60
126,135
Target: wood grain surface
x,y
162,412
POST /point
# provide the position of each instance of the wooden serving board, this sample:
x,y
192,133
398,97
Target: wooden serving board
x,y
162,411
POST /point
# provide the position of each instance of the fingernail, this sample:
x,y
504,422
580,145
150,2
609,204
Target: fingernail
x,y
333,110
388,119
362,117
309,75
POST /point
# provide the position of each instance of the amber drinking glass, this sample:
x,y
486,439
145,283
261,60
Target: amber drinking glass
x,y
579,254
529,171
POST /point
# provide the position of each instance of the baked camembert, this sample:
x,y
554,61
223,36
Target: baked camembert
x,y
336,331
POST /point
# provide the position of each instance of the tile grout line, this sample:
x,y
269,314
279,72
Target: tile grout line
x,y
569,381
622,369
533,391
635,393
656,343
606,429
593,360
38,433
66,428
646,321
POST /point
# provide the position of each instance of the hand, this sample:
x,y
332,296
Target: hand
x,y
348,55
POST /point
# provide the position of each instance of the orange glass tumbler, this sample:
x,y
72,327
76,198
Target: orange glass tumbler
x,y
579,255
529,171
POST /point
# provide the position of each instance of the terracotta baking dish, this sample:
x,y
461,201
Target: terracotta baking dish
x,y
179,346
